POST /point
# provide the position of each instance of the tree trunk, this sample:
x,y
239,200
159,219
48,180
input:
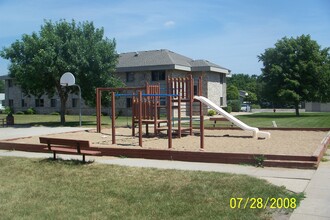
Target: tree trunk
x,y
62,93
297,109
63,108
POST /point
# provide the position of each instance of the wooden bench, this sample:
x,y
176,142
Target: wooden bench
x,y
68,146
215,119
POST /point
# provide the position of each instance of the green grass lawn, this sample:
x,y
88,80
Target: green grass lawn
x,y
47,189
283,120
288,120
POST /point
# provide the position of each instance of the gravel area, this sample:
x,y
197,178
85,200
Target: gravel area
x,y
302,143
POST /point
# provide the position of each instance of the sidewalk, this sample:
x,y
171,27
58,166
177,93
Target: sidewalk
x,y
316,205
315,183
19,132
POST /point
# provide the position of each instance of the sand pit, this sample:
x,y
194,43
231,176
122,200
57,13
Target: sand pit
x,y
302,143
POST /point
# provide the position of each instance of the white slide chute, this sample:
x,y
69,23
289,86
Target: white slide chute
x,y
229,117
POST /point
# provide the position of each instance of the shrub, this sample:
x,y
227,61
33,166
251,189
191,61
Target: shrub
x,y
211,112
55,113
104,114
228,109
235,105
30,111
20,113
255,106
8,110
259,160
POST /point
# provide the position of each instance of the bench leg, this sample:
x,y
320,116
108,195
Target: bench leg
x,y
54,155
84,158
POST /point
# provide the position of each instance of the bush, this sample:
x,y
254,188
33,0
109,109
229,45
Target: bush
x,y
55,113
211,112
20,113
228,109
30,111
235,105
104,114
255,106
8,110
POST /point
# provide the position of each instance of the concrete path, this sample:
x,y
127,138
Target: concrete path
x,y
315,184
316,205
19,132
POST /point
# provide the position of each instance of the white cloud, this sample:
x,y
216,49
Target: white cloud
x,y
169,23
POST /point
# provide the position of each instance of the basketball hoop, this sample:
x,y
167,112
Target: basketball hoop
x,y
68,79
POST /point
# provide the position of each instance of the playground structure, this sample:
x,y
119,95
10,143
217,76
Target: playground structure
x,y
226,147
146,107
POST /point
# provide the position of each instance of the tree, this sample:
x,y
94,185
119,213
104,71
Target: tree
x,y
39,60
296,70
232,92
245,82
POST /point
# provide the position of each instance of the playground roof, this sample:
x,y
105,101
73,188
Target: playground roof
x,y
164,60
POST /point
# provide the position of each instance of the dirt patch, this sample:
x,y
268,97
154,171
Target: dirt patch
x,y
302,143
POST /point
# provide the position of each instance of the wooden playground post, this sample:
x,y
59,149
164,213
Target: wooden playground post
x,y
179,116
113,119
133,114
179,104
190,85
140,117
169,122
155,106
201,123
98,110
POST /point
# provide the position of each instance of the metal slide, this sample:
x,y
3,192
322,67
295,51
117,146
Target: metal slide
x,y
238,123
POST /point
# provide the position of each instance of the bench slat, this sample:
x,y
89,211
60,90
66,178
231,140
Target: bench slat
x,y
218,119
70,150
64,142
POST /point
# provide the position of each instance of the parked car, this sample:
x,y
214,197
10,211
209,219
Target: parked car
x,y
245,107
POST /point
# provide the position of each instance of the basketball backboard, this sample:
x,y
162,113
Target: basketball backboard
x,y
67,79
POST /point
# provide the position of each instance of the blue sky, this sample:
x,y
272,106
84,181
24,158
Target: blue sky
x,y
230,33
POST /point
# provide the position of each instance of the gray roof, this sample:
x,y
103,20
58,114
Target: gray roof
x,y
5,77
163,60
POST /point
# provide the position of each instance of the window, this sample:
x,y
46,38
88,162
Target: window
x,y
128,102
130,77
157,75
10,83
39,103
11,103
53,103
74,103
222,78
221,101
195,90
24,104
